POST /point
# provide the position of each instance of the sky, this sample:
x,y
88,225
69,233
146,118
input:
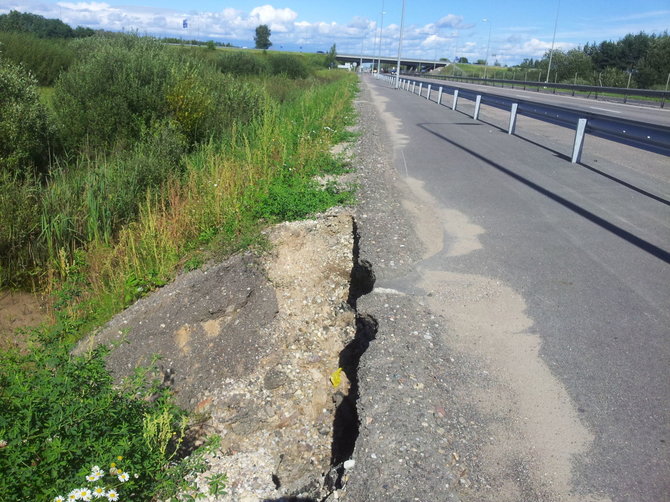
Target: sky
x,y
508,31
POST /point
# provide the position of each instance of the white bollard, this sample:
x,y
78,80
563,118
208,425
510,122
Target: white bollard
x,y
453,105
512,118
478,103
439,96
579,141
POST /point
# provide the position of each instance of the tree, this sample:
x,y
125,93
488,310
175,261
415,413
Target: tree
x,y
463,60
654,67
331,57
262,37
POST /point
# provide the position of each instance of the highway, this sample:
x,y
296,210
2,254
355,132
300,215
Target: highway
x,y
553,280
648,114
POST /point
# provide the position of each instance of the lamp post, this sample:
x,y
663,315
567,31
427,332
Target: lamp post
x,y
553,39
488,45
381,33
397,68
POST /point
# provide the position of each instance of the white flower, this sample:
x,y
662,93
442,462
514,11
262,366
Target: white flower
x,y
73,495
85,494
99,491
112,495
123,477
92,477
60,498
96,468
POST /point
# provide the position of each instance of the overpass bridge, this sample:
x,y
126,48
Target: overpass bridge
x,y
408,63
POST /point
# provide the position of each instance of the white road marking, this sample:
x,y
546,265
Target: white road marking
x,y
603,109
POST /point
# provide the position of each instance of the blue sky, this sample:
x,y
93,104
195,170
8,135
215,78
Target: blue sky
x,y
518,29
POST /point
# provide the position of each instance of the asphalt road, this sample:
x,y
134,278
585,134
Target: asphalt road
x,y
554,281
648,114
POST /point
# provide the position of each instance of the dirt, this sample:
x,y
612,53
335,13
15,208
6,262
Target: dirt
x,y
19,310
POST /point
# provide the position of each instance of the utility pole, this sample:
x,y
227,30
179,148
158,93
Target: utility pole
x,y
553,39
397,68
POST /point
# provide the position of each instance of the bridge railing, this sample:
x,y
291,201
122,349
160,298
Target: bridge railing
x,y
634,133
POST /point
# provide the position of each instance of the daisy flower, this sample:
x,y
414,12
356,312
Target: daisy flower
x,y
99,491
85,494
112,495
123,477
73,495
60,498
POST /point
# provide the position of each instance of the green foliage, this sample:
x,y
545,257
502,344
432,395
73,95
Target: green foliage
x,y
654,66
296,197
243,63
24,128
19,225
331,57
60,415
94,198
38,25
262,37
613,77
122,86
46,59
291,65
114,91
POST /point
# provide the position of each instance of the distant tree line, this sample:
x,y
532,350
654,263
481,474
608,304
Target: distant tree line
x,y
23,22
641,60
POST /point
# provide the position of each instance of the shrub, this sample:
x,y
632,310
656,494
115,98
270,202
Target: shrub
x,y
114,90
122,85
45,59
289,65
24,128
243,63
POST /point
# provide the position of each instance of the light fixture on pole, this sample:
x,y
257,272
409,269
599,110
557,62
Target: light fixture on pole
x,y
381,33
488,45
397,68
553,39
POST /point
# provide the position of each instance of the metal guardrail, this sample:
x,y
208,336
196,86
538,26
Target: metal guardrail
x,y
627,93
649,137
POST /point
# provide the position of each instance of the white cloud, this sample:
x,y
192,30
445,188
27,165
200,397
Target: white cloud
x,y
447,36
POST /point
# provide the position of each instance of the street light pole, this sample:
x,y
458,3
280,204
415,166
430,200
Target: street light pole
x,y
553,39
381,33
397,68
488,46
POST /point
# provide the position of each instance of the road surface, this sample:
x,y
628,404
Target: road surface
x,y
553,283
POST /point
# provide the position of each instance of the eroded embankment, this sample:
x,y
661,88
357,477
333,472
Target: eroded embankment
x,y
255,344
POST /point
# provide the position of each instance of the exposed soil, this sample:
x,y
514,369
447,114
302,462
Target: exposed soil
x,y
252,343
18,310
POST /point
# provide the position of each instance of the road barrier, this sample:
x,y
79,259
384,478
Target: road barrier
x,y
641,135
572,89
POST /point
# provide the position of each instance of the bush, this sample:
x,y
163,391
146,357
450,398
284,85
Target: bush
x,y
122,85
45,59
287,64
114,91
243,63
24,128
